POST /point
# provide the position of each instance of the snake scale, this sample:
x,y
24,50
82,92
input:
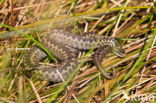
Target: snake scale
x,y
65,47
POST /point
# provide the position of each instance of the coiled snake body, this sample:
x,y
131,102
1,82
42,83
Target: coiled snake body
x,y
65,48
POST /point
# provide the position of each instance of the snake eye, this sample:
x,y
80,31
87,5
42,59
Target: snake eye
x,y
121,53
118,50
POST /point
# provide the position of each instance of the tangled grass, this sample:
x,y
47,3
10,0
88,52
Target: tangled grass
x,y
23,24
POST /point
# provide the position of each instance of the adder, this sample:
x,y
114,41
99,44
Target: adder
x,y
65,47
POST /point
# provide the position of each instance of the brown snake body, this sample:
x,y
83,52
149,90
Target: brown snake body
x,y
65,47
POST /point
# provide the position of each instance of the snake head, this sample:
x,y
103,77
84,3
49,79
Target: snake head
x,y
117,49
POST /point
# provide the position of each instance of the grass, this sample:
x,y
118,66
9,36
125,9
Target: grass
x,y
133,22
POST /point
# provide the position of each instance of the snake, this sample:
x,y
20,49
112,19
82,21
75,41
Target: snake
x,y
65,47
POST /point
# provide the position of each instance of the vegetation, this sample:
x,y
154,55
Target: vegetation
x,y
23,24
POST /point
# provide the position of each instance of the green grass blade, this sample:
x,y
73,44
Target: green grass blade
x,y
32,39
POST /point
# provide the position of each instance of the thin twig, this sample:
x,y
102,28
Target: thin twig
x,y
35,91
